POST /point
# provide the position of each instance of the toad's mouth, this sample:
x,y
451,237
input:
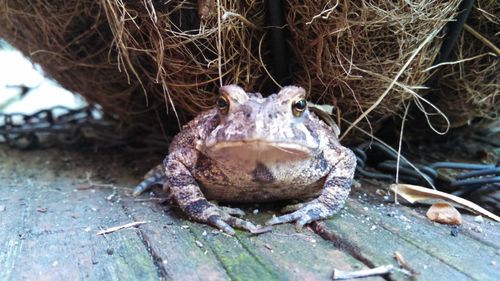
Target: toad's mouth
x,y
260,147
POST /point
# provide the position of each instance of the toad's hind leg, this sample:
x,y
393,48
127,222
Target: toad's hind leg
x,y
191,200
155,176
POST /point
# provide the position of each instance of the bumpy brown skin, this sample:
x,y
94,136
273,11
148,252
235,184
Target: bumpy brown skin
x,y
259,150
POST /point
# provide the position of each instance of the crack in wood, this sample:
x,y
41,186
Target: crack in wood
x,y
320,229
418,246
155,257
252,254
157,260
224,264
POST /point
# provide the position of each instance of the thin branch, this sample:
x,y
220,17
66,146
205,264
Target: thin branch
x,y
120,227
381,270
482,39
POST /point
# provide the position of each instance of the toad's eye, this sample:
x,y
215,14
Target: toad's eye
x,y
299,106
223,104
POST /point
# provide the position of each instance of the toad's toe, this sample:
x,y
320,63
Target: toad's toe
x,y
313,211
232,211
144,186
282,219
155,176
221,217
217,221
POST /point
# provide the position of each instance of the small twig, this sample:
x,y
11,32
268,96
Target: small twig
x,y
483,39
120,227
219,42
381,270
91,185
458,61
400,146
325,14
150,199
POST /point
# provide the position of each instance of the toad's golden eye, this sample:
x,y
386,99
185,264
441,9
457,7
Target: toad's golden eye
x,y
223,104
299,106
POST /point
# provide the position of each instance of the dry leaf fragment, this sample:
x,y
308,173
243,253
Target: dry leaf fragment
x,y
415,193
445,213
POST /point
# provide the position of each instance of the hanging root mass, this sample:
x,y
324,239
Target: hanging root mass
x,y
148,61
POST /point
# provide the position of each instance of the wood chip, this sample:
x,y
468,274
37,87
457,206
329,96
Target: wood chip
x,y
381,270
110,197
415,193
445,213
381,192
120,227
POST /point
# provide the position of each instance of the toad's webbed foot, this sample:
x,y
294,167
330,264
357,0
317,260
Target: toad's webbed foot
x,y
312,211
155,176
223,218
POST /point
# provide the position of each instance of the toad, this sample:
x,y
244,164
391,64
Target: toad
x,y
251,148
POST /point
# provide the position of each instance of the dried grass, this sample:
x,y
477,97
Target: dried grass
x,y
168,49
139,59
72,42
469,87
366,57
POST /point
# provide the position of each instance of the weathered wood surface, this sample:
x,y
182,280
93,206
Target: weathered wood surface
x,y
48,227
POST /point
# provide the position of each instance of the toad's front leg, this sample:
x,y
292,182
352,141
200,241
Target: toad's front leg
x,y
335,192
187,193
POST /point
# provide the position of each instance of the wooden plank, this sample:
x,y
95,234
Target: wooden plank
x,y
379,231
172,250
486,232
200,252
285,254
173,245
199,249
479,260
49,230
